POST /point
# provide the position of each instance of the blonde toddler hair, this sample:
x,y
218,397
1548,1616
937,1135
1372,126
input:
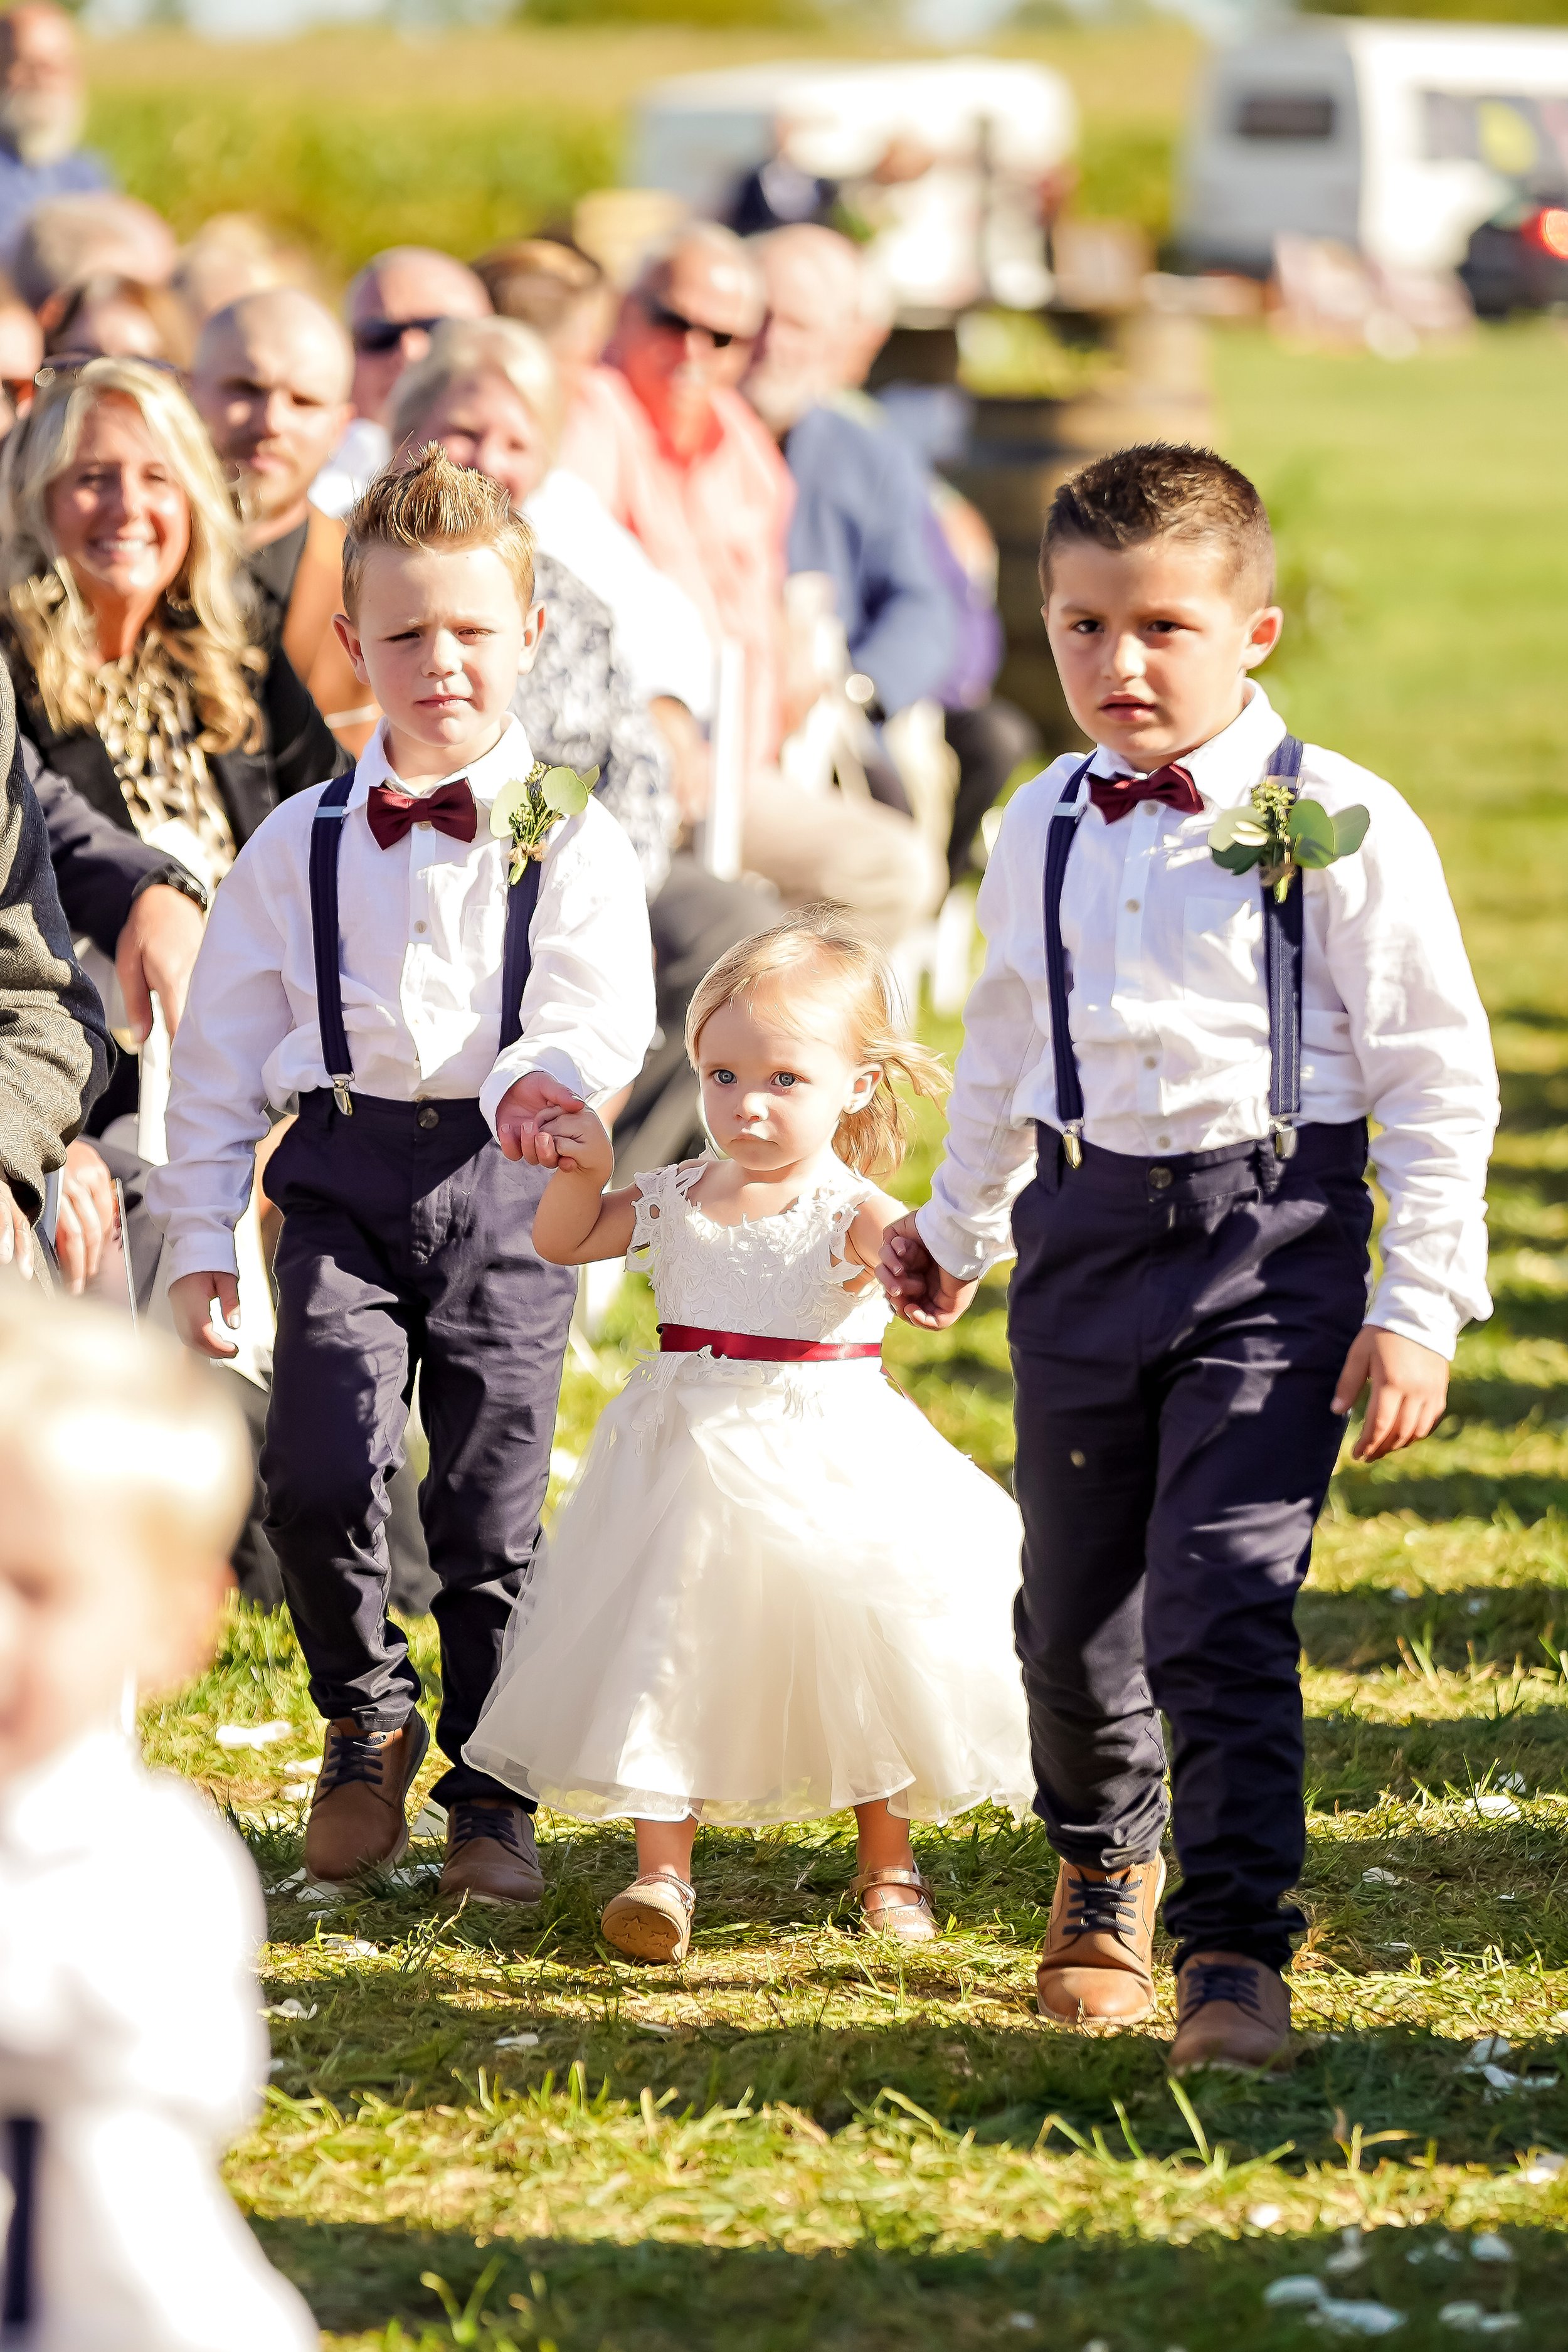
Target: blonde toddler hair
x,y
432,503
814,955
125,1429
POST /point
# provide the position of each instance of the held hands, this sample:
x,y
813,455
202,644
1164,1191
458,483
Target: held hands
x,y
190,1302
923,1292
517,1116
1409,1391
582,1141
153,956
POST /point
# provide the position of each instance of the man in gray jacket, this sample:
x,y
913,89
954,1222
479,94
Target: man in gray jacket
x,y
54,1045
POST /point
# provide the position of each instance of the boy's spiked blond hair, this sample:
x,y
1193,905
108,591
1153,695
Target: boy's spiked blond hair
x,y
812,956
124,1427
431,502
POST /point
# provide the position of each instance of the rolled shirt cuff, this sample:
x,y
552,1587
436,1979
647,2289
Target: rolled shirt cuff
x,y
956,1246
209,1249
1433,1318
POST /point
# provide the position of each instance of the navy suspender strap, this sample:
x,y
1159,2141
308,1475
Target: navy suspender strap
x,y
1060,838
20,2169
326,833
1282,942
517,953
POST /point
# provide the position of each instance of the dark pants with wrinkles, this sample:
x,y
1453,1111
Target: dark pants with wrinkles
x,y
407,1246
1177,1327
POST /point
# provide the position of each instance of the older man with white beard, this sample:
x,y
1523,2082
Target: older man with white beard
x,y
41,109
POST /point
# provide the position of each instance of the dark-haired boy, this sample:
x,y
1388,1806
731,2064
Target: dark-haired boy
x,y
373,951
1168,1070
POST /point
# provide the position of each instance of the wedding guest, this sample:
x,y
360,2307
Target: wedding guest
x,y
42,105
489,393
109,316
271,380
72,237
427,1010
558,290
1169,1065
392,308
132,2052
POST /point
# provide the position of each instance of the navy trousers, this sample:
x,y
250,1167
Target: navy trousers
x,y
1177,1327
407,1246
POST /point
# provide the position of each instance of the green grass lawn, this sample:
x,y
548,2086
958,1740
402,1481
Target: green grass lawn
x,y
490,2134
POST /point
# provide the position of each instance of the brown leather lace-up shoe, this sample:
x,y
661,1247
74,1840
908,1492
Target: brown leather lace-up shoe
x,y
357,1808
1232,2014
1097,1965
491,1853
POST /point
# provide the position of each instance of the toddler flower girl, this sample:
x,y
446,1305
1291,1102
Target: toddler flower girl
x,y
775,1592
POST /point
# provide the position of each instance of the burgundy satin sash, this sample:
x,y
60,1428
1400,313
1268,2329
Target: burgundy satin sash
x,y
758,1348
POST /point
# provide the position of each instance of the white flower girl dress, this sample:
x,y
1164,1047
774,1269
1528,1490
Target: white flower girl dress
x,y
774,1591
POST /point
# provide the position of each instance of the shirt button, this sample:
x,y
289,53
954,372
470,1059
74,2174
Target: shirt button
x,y
1159,1180
421,927
1163,1143
1150,1061
430,1116
1077,1457
1132,905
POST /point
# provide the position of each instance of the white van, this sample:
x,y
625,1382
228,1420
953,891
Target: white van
x,y
1398,139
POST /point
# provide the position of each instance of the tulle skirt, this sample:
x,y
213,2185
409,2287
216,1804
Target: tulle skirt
x,y
774,1592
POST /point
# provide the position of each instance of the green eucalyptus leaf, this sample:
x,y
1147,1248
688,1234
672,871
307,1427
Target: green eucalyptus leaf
x,y
566,791
1313,853
1350,829
1311,827
1239,858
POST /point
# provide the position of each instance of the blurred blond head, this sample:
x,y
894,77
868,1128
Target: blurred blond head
x,y
124,1475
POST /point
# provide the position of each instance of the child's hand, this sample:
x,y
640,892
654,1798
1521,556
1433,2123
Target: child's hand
x,y
190,1302
516,1117
923,1291
582,1146
1409,1391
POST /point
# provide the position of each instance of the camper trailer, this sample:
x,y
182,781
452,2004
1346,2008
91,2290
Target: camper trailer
x,y
1397,139
960,220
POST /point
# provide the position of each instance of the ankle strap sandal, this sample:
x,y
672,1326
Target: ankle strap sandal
x,y
651,1920
910,1921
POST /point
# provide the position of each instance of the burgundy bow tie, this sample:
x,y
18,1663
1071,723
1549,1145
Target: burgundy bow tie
x,y
1114,796
450,808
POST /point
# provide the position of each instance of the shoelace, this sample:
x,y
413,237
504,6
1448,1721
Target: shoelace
x,y
1101,1906
471,1820
1209,1980
349,1759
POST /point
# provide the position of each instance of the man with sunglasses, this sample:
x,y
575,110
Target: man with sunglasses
x,y
392,308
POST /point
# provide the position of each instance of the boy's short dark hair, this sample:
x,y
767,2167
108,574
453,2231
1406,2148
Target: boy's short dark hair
x,y
432,502
1161,490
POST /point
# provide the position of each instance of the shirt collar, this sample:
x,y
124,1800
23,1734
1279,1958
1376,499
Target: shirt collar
x,y
513,756
1230,764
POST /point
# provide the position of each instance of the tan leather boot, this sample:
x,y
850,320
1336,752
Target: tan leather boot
x,y
491,1853
357,1809
1097,1965
1232,2014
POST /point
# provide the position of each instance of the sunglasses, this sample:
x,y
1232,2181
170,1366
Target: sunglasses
x,y
374,338
660,314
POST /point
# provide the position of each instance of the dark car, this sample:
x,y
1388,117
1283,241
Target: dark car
x,y
1517,260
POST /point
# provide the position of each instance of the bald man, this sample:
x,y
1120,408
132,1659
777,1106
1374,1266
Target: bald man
x,y
271,377
41,110
392,308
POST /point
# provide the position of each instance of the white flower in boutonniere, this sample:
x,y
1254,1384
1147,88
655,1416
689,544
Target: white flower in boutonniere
x,y
1281,835
525,809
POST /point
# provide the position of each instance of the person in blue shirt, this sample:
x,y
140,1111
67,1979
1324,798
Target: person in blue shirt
x,y
42,104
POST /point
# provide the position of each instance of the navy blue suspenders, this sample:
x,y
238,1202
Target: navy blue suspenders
x,y
1281,963
326,835
19,2170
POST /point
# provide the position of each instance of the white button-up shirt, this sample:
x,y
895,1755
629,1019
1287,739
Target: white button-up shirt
x,y
422,930
1169,1014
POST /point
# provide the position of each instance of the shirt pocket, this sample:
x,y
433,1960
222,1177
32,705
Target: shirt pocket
x,y
1220,942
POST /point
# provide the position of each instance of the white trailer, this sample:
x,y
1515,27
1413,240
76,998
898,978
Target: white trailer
x,y
1397,139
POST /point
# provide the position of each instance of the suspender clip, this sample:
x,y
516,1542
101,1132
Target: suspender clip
x,y
341,1095
1072,1143
1284,1138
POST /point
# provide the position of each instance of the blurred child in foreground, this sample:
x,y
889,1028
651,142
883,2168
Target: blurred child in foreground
x,y
131,2046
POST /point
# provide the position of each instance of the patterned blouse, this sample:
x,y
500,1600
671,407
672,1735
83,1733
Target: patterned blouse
x,y
579,709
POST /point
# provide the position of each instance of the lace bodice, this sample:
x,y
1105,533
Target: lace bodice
x,y
784,1275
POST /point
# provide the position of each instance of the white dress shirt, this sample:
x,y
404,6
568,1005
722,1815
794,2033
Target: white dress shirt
x,y
422,927
659,633
130,1923
364,450
1169,1017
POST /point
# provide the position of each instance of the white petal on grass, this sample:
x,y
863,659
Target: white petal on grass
x,y
1357,2318
1490,2248
251,1735
1289,2294
348,1948
1493,1806
276,2066
1380,1878
1545,2165
430,1821
290,2008
1485,2052
517,2041
288,1885
1463,2316
1515,1780
1263,2217
1022,2319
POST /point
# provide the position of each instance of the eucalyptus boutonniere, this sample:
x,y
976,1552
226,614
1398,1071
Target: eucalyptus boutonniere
x,y
1280,836
527,807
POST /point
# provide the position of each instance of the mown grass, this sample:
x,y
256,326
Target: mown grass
x,y
796,2140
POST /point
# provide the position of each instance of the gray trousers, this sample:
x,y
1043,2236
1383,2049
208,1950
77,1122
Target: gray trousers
x,y
408,1244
